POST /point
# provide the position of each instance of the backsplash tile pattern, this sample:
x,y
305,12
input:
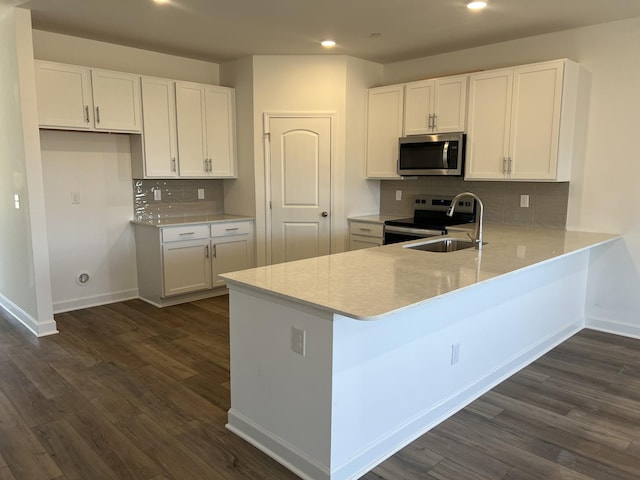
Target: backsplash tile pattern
x,y
547,201
179,199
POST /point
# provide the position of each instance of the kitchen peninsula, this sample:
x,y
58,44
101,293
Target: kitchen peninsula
x,y
339,361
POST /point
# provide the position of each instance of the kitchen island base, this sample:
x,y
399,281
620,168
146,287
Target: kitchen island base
x,y
364,389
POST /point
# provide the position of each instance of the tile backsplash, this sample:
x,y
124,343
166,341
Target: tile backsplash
x,y
178,199
501,200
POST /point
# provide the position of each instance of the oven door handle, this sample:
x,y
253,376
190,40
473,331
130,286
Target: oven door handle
x,y
414,231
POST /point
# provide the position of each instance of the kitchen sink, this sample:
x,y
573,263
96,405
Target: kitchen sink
x,y
442,245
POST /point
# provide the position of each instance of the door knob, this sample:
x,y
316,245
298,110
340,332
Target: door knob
x,y
325,214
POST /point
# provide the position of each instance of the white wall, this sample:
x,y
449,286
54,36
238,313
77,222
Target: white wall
x,y
303,84
56,47
25,289
603,196
94,236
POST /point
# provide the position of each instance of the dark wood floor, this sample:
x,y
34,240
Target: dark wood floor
x,y
128,391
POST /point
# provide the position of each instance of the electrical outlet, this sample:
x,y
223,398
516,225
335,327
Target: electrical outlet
x,y
201,194
455,353
298,340
75,198
524,201
157,195
398,195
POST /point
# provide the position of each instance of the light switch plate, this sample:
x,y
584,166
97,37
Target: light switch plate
x,y
398,195
524,201
157,195
201,194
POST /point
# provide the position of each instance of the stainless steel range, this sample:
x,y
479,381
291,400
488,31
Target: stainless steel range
x,y
429,218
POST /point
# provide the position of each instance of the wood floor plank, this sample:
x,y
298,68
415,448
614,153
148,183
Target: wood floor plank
x,y
72,454
20,448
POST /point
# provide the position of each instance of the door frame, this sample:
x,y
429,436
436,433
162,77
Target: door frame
x,y
266,136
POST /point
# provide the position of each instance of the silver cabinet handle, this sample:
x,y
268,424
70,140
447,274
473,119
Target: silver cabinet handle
x,y
232,229
215,252
429,122
210,165
187,233
97,114
86,113
325,214
173,164
206,165
504,165
435,121
206,248
365,229
510,164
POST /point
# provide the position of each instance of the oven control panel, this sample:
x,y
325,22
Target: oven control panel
x,y
440,203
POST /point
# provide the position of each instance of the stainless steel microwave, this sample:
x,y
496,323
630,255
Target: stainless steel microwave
x,y
432,154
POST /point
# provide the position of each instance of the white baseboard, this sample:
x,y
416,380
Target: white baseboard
x,y
282,452
39,329
607,325
94,301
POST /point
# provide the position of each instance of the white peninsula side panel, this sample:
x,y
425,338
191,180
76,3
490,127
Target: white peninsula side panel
x,y
365,389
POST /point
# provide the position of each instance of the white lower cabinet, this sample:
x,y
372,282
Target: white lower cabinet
x,y
182,263
186,267
365,235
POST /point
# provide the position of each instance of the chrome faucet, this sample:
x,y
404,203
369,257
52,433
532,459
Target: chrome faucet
x,y
478,230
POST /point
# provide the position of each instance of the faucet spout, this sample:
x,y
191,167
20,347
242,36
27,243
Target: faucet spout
x,y
478,230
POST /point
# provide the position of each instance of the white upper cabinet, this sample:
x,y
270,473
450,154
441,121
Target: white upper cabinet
x,y
116,101
64,96
159,120
384,128
79,98
436,106
206,130
220,130
521,123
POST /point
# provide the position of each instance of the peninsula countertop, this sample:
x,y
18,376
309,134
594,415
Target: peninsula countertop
x,y
366,284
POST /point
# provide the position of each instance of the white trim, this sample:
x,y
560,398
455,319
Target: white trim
x,y
95,300
266,142
39,329
282,452
612,326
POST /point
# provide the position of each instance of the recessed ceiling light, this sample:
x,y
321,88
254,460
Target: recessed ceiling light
x,y
328,43
476,5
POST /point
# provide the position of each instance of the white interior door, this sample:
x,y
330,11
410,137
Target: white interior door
x,y
300,167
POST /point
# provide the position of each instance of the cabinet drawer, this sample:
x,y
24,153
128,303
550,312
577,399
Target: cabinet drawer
x,y
185,232
230,228
367,229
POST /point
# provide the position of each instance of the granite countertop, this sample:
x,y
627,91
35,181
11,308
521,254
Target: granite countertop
x,y
377,218
368,283
174,221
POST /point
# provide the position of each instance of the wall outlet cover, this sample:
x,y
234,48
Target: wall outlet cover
x,y
157,195
201,194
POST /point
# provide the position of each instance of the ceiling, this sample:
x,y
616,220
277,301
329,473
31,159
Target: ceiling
x,y
383,31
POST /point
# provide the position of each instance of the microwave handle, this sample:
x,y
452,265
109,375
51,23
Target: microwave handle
x,y
445,155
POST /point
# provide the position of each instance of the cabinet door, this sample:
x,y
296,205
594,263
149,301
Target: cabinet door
x,y
64,96
190,121
159,128
186,267
419,107
535,121
450,104
488,124
384,128
230,254
116,101
220,131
